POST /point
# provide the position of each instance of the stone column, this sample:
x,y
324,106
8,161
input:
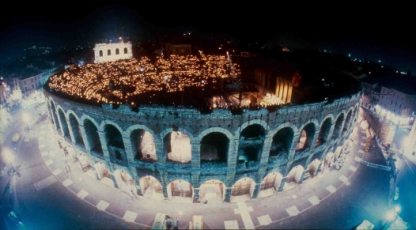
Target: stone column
x,y
163,181
228,191
160,150
128,148
103,143
292,149
85,138
195,184
282,185
256,190
133,172
71,134
232,160
264,158
196,156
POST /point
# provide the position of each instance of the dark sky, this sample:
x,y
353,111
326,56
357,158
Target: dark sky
x,y
378,29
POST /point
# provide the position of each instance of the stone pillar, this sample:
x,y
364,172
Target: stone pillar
x,y
160,150
195,184
292,149
60,125
133,173
331,131
256,190
282,184
264,158
103,143
163,181
228,191
71,133
196,156
85,138
111,168
232,160
128,148
315,138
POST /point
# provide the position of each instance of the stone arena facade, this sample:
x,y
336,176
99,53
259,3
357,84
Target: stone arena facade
x,y
230,155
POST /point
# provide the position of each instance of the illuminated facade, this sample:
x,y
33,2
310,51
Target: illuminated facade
x,y
178,153
107,52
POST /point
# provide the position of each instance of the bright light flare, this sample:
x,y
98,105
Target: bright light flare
x,y
397,208
391,215
8,156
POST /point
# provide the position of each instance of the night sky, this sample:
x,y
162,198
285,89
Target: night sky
x,y
374,31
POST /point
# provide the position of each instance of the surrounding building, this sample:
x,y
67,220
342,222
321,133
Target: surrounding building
x,y
29,84
106,52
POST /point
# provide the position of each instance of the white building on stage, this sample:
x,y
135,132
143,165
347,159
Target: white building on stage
x,y
106,52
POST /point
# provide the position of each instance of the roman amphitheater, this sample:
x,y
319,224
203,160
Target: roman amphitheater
x,y
197,127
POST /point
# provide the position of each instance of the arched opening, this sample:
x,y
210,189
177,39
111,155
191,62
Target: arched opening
x,y
214,147
143,145
212,191
281,143
125,181
151,187
178,147
251,144
295,174
306,137
270,184
108,52
101,53
347,121
115,143
103,174
76,130
313,167
64,124
243,189
117,51
180,190
337,128
92,137
324,132
55,118
126,50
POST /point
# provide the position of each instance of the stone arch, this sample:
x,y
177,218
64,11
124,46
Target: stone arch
x,y
251,122
177,145
251,143
243,187
212,191
180,188
75,127
114,142
282,139
306,136
126,50
151,187
338,126
117,51
325,130
108,52
313,166
103,173
125,181
295,174
64,124
91,132
101,53
272,181
214,146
